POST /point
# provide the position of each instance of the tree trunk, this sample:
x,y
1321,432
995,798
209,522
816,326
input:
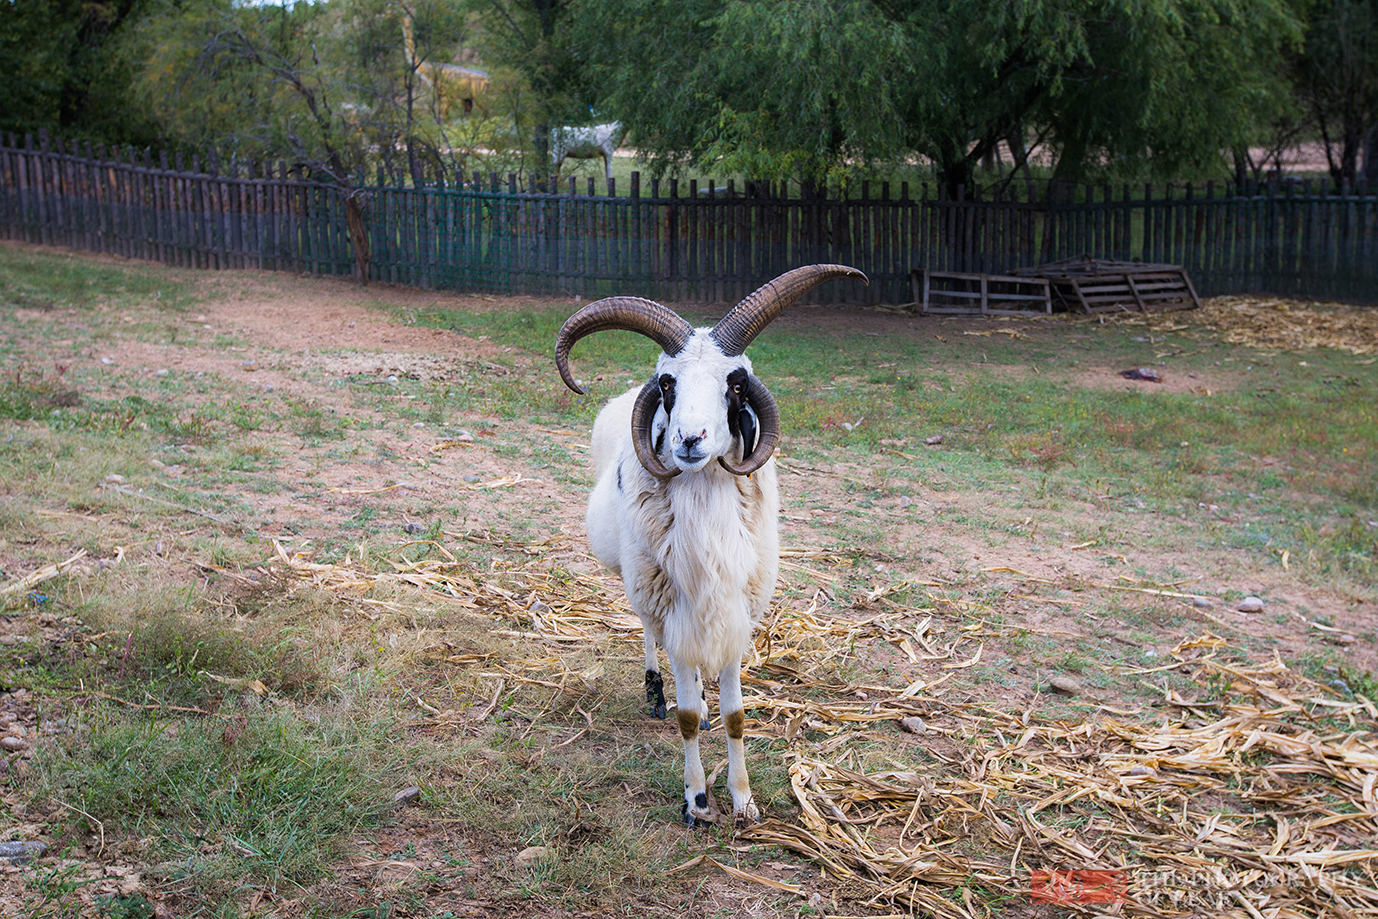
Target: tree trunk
x,y
1241,167
358,235
1070,163
540,138
1370,171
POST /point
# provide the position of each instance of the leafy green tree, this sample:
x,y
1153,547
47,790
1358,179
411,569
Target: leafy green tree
x,y
252,81
1338,82
64,68
532,39
1168,86
818,87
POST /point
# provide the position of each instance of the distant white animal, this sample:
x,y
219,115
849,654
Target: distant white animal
x,y
586,144
686,504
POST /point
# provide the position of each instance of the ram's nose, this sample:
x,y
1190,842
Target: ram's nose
x,y
689,452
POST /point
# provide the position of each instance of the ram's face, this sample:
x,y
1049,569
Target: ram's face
x,y
705,412
703,400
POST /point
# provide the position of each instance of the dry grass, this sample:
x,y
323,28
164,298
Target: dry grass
x,y
1257,800
1287,325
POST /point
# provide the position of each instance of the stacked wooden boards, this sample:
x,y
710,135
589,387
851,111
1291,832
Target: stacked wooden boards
x,y
1096,285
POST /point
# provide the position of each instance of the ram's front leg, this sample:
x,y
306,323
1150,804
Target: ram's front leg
x,y
744,809
688,701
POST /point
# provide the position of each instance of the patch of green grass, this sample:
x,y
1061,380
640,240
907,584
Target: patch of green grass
x,y
313,422
256,795
51,892
47,280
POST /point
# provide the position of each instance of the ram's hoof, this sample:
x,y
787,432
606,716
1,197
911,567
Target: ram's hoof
x,y
699,814
659,711
745,817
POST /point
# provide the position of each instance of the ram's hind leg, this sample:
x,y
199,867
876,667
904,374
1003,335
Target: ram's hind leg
x,y
688,698
655,683
744,809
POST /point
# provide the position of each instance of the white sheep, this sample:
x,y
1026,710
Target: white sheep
x,y
586,144
686,504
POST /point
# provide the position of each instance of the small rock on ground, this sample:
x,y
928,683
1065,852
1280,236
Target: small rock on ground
x,y
409,795
1065,685
531,855
914,725
1250,605
20,853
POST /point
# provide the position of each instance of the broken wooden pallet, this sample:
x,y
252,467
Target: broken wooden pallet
x,y
979,294
1103,285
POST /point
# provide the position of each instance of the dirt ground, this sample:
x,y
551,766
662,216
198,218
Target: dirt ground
x,y
328,329
298,337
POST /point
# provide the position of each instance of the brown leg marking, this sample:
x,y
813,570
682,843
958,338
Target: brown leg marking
x,y
688,724
736,724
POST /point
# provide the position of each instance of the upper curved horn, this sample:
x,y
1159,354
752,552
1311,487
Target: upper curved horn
x,y
658,323
735,331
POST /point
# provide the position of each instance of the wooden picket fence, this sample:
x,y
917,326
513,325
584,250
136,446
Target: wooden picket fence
x,y
673,240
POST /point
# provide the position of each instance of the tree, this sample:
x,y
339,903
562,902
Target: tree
x,y
1338,81
774,89
817,87
1168,86
251,81
65,69
532,38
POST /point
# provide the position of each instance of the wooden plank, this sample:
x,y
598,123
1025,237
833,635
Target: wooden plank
x,y
1134,289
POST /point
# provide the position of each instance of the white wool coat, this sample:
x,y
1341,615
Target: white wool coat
x,y
698,553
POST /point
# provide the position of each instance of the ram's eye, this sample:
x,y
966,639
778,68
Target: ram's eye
x,y
737,387
664,384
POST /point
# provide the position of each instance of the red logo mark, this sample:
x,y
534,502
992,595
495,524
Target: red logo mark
x,y
1070,886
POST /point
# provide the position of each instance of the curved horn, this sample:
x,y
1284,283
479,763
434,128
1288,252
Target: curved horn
x,y
658,323
735,331
769,417
643,415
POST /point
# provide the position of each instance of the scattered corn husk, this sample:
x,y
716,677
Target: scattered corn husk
x,y
21,586
1258,799
1272,323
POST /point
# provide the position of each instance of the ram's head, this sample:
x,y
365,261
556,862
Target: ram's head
x,y
703,402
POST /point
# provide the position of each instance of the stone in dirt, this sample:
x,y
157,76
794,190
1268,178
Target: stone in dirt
x,y
1202,602
1065,685
914,725
409,795
20,853
934,441
1250,605
531,855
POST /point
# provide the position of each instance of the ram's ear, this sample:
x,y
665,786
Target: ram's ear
x,y
746,423
767,421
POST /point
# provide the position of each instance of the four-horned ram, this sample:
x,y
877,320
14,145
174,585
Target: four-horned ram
x,y
686,503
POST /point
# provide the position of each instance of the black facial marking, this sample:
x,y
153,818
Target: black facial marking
x,y
740,420
655,693
619,485
701,799
667,391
